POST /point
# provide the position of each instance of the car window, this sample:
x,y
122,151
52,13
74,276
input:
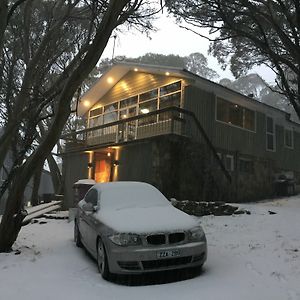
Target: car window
x,y
91,197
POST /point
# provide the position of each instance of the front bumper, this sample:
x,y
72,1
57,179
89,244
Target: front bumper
x,y
137,260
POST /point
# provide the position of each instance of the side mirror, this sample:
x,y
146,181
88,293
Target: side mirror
x,y
88,207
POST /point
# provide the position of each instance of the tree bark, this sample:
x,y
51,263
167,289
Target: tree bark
x,y
36,184
55,174
13,215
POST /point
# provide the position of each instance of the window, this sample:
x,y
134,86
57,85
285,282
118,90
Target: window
x,y
91,197
170,88
128,102
288,138
246,165
168,101
235,114
270,134
161,97
145,108
111,107
110,117
229,162
96,112
149,95
249,119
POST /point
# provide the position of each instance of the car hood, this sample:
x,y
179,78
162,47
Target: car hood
x,y
145,220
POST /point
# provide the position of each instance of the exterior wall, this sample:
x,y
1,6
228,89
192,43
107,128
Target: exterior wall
x,y
178,167
241,141
75,167
134,162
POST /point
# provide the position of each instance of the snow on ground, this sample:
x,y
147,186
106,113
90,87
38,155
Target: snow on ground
x,y
253,256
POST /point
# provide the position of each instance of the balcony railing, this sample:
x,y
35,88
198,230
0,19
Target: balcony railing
x,y
165,121
170,120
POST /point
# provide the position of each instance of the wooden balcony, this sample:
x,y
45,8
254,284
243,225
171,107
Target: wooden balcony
x,y
161,122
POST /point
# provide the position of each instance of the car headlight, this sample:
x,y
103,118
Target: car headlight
x,y
126,239
196,234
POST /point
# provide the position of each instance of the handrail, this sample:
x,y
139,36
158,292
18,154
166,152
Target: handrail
x,y
167,109
209,143
134,118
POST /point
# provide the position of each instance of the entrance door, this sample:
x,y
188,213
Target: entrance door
x,y
102,167
127,130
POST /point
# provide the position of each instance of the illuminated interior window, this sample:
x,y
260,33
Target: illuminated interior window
x,y
235,114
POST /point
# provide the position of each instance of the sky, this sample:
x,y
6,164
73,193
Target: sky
x,y
170,39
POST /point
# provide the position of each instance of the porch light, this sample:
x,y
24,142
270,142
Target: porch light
x,y
86,103
108,154
145,110
167,73
135,69
110,80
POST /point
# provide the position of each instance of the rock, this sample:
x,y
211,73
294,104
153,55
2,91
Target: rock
x,y
272,212
239,212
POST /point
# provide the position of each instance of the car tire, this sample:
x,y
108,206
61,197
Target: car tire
x,y
102,261
198,270
77,236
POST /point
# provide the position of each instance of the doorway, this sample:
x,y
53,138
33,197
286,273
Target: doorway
x,y
103,166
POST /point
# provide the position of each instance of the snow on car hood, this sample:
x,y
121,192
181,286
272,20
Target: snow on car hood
x,y
145,220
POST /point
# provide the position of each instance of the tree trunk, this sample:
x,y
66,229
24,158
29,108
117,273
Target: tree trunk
x,y
14,214
55,174
3,20
36,185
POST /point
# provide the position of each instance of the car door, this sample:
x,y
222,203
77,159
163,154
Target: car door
x,y
90,220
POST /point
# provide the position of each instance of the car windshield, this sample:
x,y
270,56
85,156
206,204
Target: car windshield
x,y
121,196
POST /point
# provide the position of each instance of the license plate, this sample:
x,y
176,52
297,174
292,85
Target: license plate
x,y
168,253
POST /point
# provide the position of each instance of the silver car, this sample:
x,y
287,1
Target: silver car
x,y
131,228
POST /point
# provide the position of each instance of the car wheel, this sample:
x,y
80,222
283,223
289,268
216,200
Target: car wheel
x,y
102,261
77,237
198,270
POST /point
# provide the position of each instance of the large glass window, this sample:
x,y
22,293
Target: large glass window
x,y
111,107
128,102
168,101
110,117
170,88
270,134
149,95
158,98
235,114
145,108
96,112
